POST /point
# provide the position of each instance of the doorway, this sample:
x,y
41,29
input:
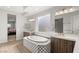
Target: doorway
x,y
11,27
59,25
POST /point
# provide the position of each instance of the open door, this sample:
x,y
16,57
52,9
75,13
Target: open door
x,y
11,27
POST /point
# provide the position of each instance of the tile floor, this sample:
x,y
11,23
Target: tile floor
x,y
11,37
13,47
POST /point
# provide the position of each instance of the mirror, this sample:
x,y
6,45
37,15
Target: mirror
x,y
70,23
11,27
59,25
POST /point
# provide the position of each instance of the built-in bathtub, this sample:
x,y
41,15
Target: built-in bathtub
x,y
37,44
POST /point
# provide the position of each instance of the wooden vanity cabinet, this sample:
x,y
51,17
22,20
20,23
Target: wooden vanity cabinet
x,y
61,45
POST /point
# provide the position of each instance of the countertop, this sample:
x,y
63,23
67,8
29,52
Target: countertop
x,y
57,35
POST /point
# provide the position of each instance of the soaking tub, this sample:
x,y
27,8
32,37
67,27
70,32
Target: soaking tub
x,y
37,44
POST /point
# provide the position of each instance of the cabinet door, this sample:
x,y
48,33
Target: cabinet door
x,y
62,46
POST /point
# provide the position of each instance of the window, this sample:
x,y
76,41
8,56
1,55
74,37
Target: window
x,y
44,23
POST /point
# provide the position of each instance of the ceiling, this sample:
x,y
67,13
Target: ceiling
x,y
27,10
18,9
35,9
30,10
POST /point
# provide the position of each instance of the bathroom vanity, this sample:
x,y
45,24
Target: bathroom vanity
x,y
62,43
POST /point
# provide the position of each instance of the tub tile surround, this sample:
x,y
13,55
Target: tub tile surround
x,y
70,37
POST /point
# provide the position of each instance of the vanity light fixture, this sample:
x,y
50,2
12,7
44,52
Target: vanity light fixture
x,y
72,9
61,12
64,11
57,13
